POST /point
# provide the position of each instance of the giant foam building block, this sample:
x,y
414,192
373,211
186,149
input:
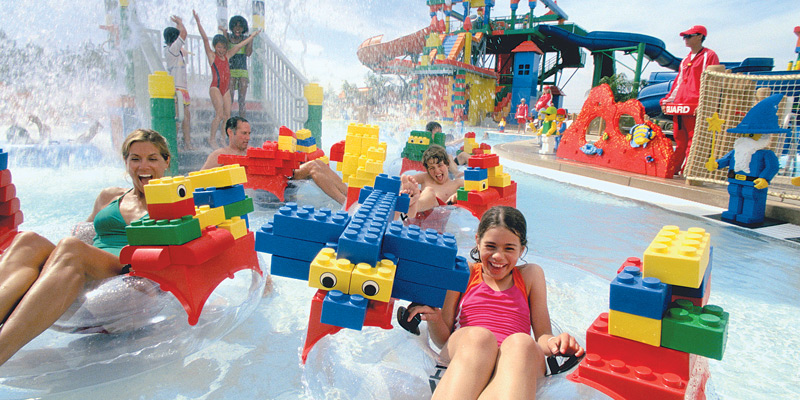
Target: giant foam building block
x,y
268,242
218,197
226,175
306,223
455,278
329,273
163,232
429,247
697,330
700,292
344,310
168,190
418,293
635,327
289,267
646,297
678,257
373,283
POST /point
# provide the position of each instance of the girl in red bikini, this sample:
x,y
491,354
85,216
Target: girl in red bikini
x,y
220,75
485,333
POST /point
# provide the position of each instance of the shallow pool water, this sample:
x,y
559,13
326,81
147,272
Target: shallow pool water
x,y
579,236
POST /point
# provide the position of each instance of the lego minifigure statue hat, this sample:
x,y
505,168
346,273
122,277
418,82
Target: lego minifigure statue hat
x,y
762,118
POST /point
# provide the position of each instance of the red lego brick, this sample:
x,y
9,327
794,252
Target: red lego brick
x,y
192,284
12,221
8,192
5,177
508,191
155,257
213,241
631,262
337,151
9,207
484,161
256,152
622,381
469,135
260,170
284,131
275,184
229,159
171,210
484,197
662,360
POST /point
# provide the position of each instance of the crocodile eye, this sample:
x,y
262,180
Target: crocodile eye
x,y
181,190
370,288
327,280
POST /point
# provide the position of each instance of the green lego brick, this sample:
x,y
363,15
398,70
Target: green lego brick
x,y
696,330
162,108
461,194
163,232
314,113
239,208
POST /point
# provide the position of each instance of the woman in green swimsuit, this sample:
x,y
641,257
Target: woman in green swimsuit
x,y
39,280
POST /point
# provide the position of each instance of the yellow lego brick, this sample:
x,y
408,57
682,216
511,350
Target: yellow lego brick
x,y
678,257
376,153
356,182
374,166
328,273
208,216
356,129
362,173
287,140
325,159
349,163
374,283
352,143
236,226
303,134
367,142
495,171
362,160
500,181
287,147
226,175
168,190
634,327
476,185
306,149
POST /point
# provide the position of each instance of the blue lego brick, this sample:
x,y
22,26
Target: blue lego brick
x,y
631,294
387,183
364,193
307,142
267,242
418,293
218,197
455,279
700,292
475,174
428,247
402,203
361,243
289,267
344,310
308,224
3,160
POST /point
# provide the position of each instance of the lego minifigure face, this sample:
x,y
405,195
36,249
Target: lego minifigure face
x,y
499,251
560,117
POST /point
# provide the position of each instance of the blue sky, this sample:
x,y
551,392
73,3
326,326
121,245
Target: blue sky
x,y
322,36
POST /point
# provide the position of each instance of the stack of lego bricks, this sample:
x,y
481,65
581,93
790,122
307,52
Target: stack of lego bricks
x,y
652,342
195,234
360,264
361,160
416,144
10,213
486,185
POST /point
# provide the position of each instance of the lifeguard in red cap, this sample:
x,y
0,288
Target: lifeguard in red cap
x,y
681,101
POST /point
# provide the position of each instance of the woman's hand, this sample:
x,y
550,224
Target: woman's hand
x,y
564,345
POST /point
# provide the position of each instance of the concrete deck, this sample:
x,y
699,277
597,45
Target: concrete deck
x,y
527,151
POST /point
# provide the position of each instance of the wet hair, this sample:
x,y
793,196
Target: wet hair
x,y
149,136
219,39
501,217
233,123
170,34
433,125
238,20
435,153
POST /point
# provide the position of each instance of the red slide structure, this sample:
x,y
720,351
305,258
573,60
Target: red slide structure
x,y
383,57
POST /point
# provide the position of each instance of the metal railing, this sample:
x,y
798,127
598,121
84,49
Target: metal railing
x,y
283,100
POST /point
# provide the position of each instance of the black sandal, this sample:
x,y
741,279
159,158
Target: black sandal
x,y
402,319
